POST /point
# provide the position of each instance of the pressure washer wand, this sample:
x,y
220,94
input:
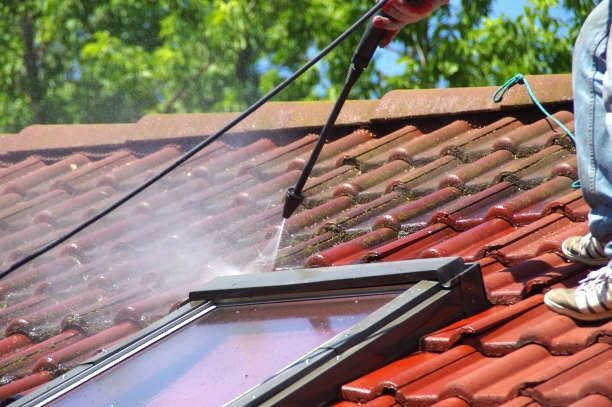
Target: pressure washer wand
x,y
359,62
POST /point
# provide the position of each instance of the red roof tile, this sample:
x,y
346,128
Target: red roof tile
x,y
593,400
496,189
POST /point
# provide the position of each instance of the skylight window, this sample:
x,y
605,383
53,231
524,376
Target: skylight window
x,y
270,337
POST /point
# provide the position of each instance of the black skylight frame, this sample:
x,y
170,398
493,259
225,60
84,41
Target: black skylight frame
x,y
445,287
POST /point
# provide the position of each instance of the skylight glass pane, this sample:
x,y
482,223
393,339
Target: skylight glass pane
x,y
224,353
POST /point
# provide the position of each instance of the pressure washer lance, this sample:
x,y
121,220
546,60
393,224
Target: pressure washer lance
x,y
370,41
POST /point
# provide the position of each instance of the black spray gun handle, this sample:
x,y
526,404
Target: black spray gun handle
x,y
372,38
370,41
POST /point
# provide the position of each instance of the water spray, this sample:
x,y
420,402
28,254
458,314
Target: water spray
x,y
199,147
370,41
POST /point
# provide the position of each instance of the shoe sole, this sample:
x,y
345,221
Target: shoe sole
x,y
577,315
584,260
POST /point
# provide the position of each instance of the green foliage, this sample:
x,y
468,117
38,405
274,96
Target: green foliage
x,y
115,60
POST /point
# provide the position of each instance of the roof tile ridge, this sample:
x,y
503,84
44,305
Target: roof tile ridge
x,y
396,104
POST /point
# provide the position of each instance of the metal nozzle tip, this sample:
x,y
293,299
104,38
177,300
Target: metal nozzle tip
x,y
292,201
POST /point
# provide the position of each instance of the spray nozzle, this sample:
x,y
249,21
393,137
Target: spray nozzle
x,y
292,201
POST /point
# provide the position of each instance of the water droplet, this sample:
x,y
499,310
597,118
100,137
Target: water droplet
x,y
307,361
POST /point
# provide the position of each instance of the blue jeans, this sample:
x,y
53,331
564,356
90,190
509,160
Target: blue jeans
x,y
592,77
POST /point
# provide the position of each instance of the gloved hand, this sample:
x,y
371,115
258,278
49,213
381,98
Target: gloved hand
x,y
402,13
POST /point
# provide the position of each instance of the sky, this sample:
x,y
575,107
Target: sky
x,y
511,8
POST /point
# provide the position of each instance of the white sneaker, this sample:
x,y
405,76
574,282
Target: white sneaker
x,y
584,249
590,301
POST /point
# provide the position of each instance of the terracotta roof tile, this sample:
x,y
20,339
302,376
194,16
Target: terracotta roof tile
x,y
85,176
452,402
469,211
22,214
480,174
530,139
361,216
409,247
17,170
579,380
398,374
535,241
524,207
347,252
421,150
469,244
415,215
35,181
55,360
593,400
532,170
485,380
507,285
382,401
477,142
478,324
328,158
521,401
24,383
502,330
319,213
374,153
426,179
560,334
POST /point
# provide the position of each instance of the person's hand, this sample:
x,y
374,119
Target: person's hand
x,y
402,13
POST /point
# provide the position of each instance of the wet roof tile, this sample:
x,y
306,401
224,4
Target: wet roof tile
x,y
352,250
472,145
19,169
361,155
470,244
579,380
532,138
421,150
34,181
592,400
524,207
400,373
361,216
469,211
502,330
415,214
328,158
509,284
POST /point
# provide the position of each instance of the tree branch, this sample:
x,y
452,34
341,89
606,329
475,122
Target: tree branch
x,y
33,85
183,89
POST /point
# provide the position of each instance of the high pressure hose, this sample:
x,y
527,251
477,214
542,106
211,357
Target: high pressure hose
x,y
358,60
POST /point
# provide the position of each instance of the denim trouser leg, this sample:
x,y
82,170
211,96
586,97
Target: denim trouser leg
x,y
593,120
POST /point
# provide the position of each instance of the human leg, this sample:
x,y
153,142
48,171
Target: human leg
x,y
593,114
592,70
